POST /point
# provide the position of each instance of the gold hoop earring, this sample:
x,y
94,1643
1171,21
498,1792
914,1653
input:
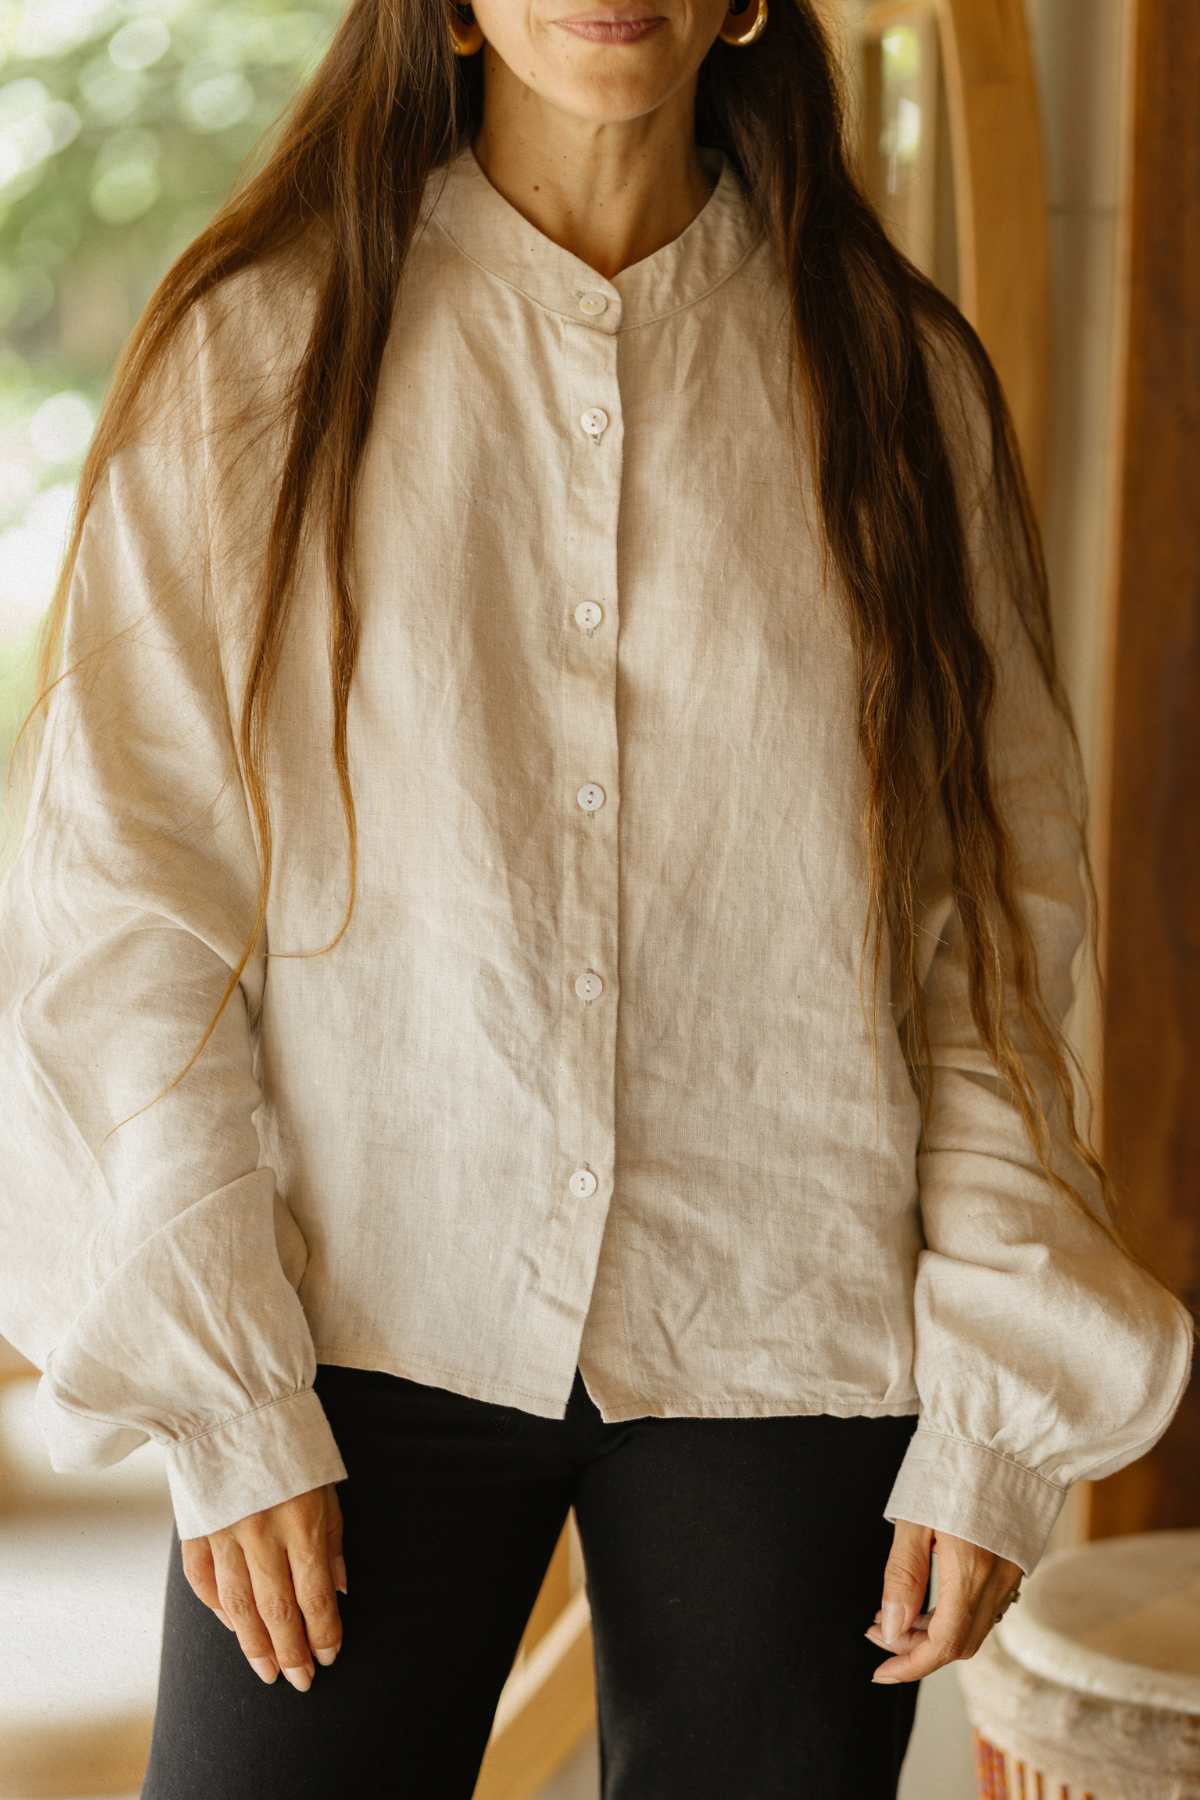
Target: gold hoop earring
x,y
740,33
466,35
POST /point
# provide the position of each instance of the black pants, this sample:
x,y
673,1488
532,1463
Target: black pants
x,y
732,1568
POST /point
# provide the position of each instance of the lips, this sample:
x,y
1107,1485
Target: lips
x,y
623,30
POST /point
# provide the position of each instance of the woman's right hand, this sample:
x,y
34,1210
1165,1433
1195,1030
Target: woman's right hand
x,y
270,1577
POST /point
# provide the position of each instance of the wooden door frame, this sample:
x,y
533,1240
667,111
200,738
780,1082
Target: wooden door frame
x,y
1003,271
1148,848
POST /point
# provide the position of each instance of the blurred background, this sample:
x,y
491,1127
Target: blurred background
x,y
1034,158
122,127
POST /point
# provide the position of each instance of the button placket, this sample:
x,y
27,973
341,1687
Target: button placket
x,y
587,801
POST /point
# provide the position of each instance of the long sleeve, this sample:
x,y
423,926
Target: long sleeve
x,y
1042,1356
151,1277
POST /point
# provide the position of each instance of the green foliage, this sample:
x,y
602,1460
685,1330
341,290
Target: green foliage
x,y
123,124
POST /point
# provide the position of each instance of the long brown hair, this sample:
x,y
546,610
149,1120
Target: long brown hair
x,y
341,183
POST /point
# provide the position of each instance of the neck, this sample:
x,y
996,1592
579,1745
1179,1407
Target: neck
x,y
609,193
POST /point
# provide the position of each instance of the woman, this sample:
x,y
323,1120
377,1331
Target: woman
x,y
546,522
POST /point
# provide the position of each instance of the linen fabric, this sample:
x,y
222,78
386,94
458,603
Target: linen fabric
x,y
587,1081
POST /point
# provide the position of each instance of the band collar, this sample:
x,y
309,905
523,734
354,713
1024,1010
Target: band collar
x,y
495,234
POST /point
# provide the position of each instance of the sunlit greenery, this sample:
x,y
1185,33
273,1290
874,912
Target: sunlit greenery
x,y
122,126
900,138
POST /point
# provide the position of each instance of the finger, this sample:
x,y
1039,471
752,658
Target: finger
x,y
312,1579
275,1596
943,1642
337,1560
196,1557
962,1579
905,1578
991,1602
237,1599
914,1635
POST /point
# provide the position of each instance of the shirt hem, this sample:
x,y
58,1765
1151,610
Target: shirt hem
x,y
416,1368
507,1393
800,1405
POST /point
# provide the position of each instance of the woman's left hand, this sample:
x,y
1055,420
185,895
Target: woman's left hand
x,y
973,1585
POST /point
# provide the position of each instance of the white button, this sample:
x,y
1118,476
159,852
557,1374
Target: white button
x,y
590,796
589,985
594,420
588,614
593,303
582,1183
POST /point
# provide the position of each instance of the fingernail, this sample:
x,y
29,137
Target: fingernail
x,y
892,1618
264,1667
325,1657
339,1573
890,1679
300,1677
225,1622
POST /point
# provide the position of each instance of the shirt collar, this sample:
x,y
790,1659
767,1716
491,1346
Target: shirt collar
x,y
496,235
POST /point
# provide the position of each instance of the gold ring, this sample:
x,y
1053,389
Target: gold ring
x,y
1011,1600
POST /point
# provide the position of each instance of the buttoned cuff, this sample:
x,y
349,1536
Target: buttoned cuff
x,y
251,1462
969,1491
241,1466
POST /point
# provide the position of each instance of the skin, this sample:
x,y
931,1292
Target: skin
x,y
594,144
973,1584
270,1578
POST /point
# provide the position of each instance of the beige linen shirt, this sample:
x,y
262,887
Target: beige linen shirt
x,y
587,1081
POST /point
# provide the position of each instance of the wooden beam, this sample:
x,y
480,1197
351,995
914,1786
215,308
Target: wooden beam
x,y
1000,205
546,1710
1149,859
553,1596
997,171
